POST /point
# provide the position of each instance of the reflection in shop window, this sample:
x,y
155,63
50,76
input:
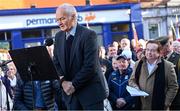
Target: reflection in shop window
x,y
153,31
32,44
54,31
5,40
120,27
4,45
47,33
33,33
5,35
118,37
97,29
100,40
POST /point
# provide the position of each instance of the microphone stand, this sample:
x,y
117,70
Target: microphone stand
x,y
30,71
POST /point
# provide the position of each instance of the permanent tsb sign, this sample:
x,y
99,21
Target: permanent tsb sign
x,y
45,20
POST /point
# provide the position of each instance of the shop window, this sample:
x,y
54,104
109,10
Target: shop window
x,y
100,40
97,29
120,27
34,33
47,33
5,45
118,37
54,31
153,31
32,44
5,36
5,40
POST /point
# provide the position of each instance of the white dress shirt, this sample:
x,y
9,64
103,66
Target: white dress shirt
x,y
151,66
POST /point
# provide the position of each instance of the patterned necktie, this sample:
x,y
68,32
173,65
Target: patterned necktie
x,y
68,46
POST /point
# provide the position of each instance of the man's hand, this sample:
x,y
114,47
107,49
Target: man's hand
x,y
68,87
120,102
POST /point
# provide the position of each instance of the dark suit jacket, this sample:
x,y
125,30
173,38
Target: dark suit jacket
x,y
175,59
84,69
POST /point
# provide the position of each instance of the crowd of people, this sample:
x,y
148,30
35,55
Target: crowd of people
x,y
145,67
95,78
152,66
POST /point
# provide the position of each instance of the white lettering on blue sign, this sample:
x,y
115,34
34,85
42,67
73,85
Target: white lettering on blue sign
x,y
40,21
80,18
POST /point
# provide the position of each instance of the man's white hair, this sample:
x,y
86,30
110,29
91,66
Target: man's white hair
x,y
68,8
127,41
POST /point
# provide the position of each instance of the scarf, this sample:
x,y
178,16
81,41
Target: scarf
x,y
158,97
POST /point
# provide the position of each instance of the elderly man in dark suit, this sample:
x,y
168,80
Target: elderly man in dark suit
x,y
76,59
168,53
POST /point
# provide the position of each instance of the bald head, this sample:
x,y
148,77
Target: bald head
x,y
176,46
67,9
66,16
125,43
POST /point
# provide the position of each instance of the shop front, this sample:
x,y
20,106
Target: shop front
x,y
30,27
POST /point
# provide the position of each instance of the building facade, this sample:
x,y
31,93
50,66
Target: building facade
x,y
161,21
29,27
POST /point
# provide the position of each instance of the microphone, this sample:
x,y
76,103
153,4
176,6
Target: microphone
x,y
49,42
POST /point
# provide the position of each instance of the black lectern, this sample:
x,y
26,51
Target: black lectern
x,y
34,63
